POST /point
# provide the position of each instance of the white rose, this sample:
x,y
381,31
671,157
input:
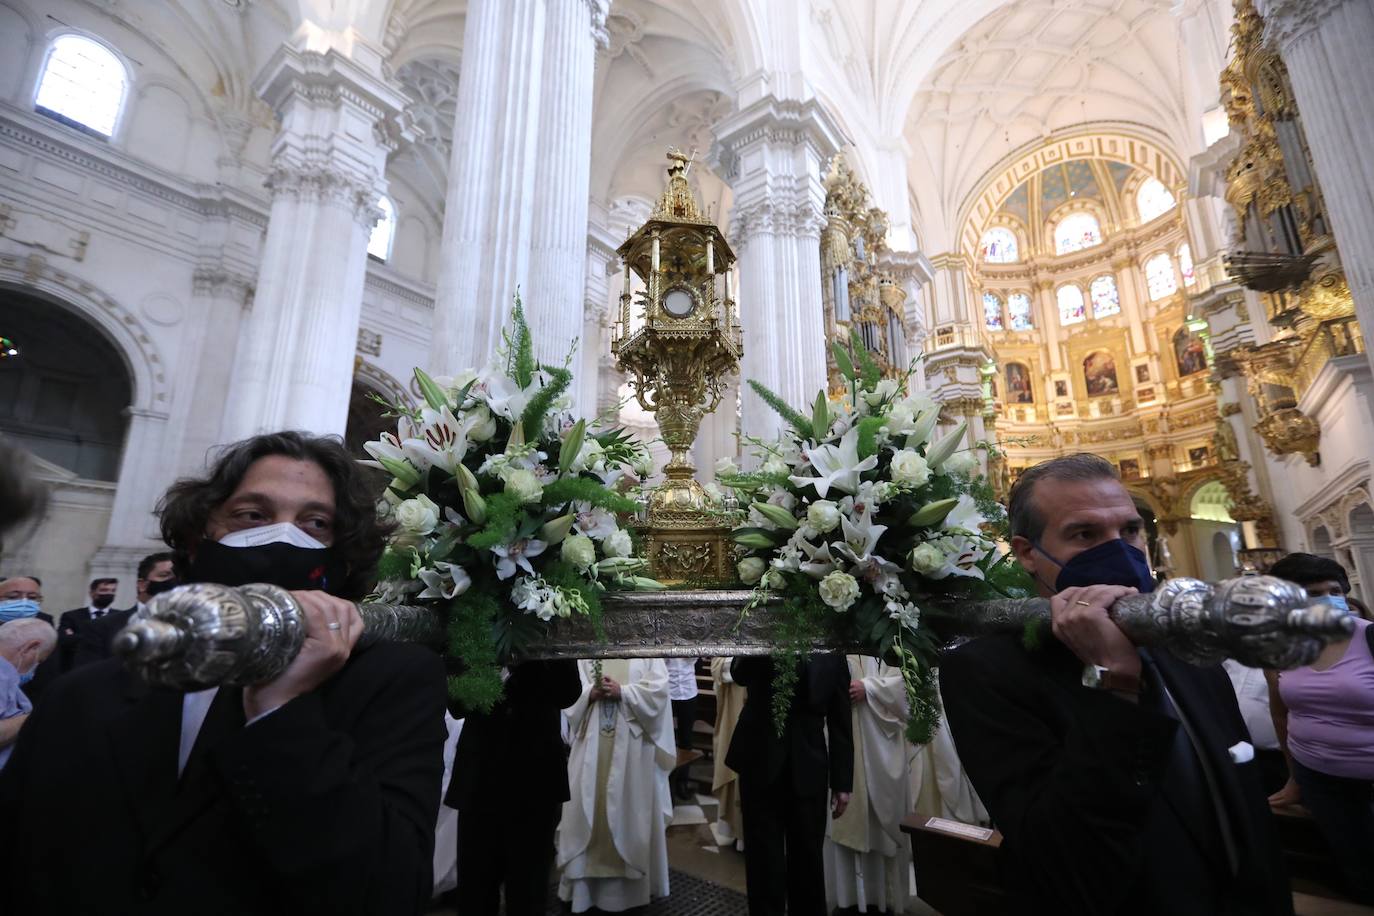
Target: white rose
x,y
579,551
823,515
725,466
839,589
418,515
484,424
961,463
751,570
927,559
909,468
523,485
590,457
900,419
774,465
617,544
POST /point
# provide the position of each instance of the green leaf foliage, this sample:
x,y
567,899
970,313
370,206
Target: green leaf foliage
x,y
820,417
434,395
794,417
868,435
470,620
522,364
503,514
843,362
868,369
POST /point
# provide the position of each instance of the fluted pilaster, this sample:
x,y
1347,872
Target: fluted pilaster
x,y
773,154
1326,46
293,367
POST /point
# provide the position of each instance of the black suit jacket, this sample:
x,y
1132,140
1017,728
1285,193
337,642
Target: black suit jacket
x,y
516,751
327,805
820,700
1073,777
69,628
93,639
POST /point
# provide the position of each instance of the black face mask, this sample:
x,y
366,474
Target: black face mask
x,y
1112,562
153,587
102,601
285,565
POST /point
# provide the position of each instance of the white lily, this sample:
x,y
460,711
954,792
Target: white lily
x,y
516,555
504,396
820,563
836,466
962,555
442,440
860,536
594,522
446,580
965,516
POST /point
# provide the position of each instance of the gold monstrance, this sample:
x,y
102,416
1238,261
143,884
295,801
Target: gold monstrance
x,y
678,344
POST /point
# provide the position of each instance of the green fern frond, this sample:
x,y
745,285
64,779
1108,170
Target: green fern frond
x,y
868,435
586,490
538,407
523,350
794,417
868,369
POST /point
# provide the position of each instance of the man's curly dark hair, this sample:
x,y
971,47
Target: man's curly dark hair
x,y
359,536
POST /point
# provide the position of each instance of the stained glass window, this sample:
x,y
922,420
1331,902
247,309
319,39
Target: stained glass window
x,y
383,232
1159,277
1076,232
992,312
1185,264
999,246
1105,299
1070,299
1019,312
82,81
1153,199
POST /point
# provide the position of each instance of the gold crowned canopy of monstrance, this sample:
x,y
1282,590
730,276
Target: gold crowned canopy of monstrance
x,y
678,343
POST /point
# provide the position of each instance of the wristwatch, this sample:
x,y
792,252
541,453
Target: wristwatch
x,y
1100,678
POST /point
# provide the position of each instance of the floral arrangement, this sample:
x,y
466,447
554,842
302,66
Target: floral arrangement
x,y
856,514
506,511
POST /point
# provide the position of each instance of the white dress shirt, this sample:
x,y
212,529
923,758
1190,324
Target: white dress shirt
x,y
682,678
1252,694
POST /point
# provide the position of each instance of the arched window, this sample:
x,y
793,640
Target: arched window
x,y
83,83
1070,299
1105,299
1159,277
379,244
1076,232
1019,312
992,312
1153,199
1185,264
999,246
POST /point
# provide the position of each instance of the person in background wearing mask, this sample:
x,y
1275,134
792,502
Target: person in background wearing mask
x,y
314,792
71,623
1121,778
1324,716
22,596
24,643
155,576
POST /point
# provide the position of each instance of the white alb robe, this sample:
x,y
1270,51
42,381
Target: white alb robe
x,y
939,785
866,853
637,802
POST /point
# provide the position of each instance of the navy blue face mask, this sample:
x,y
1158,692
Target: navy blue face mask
x,y
1112,562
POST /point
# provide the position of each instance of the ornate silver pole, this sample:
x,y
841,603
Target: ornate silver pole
x,y
203,635
197,636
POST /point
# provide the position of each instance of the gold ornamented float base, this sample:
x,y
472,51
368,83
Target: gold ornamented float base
x,y
686,541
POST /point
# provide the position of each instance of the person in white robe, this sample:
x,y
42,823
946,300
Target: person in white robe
x,y
939,785
729,825
612,848
866,853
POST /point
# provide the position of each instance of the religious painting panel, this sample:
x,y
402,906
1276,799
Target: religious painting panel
x,y
1019,389
1199,456
1142,372
1061,388
1189,352
1099,374
1130,468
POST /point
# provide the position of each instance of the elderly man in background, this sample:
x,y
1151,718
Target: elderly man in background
x,y
22,596
24,643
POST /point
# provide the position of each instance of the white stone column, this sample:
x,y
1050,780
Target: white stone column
x,y
221,299
1326,45
133,530
293,367
574,29
489,213
596,317
773,154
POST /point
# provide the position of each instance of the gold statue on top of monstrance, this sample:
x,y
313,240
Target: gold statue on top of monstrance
x,y
679,343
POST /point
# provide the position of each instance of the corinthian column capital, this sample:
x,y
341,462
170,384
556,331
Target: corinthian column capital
x,y
1287,21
